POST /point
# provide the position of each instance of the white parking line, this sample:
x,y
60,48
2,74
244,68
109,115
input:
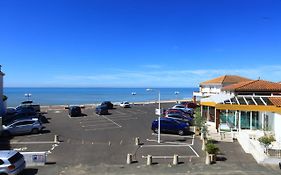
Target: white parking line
x,y
95,121
102,128
171,135
38,142
193,151
120,119
111,121
102,124
147,146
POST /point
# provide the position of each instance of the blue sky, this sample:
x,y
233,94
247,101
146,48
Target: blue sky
x,y
137,43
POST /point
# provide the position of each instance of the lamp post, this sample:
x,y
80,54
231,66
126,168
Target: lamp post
x,y
176,94
134,93
28,96
159,113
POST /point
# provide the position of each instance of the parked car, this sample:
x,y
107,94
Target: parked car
x,y
177,111
10,111
179,117
30,103
108,104
11,162
168,125
189,104
24,126
182,107
6,119
101,110
125,104
74,111
25,109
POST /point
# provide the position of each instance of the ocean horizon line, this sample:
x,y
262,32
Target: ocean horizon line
x,y
148,87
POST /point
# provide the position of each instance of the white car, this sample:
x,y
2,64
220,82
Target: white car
x,y
125,104
182,107
11,162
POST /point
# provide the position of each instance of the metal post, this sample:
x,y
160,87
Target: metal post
x,y
262,120
239,114
159,117
251,120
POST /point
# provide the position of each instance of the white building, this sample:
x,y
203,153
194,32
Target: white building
x,y
2,108
214,86
250,109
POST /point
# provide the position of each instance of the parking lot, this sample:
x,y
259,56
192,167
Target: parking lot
x,y
94,143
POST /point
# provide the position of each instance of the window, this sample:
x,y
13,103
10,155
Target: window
x,y
24,123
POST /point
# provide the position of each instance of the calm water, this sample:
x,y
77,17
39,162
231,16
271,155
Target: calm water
x,y
62,96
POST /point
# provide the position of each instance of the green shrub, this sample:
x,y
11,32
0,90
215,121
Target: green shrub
x,y
212,148
4,97
267,139
198,119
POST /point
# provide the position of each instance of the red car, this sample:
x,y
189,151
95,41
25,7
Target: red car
x,y
188,104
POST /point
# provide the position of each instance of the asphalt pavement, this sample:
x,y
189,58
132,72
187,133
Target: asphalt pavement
x,y
94,144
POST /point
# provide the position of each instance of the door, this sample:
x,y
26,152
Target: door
x,y
22,127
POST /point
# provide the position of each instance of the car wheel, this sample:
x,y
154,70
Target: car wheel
x,y
3,174
180,132
35,131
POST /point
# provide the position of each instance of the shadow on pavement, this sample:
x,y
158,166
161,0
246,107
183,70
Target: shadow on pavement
x,y
29,171
5,143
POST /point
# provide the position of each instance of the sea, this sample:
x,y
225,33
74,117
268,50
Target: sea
x,y
79,96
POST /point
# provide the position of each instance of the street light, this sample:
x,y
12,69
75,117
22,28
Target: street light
x,y
159,113
176,93
28,96
134,93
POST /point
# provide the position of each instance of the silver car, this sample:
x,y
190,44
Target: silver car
x,y
11,162
125,104
23,126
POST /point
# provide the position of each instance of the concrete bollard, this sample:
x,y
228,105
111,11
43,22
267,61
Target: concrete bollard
x,y
56,139
137,141
203,145
129,159
175,159
207,161
149,160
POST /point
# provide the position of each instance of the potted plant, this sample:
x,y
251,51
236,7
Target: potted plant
x,y
266,140
211,152
198,122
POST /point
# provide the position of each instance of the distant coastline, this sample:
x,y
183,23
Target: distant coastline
x,y
81,96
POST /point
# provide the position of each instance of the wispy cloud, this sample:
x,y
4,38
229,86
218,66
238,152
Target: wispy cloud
x,y
171,78
152,66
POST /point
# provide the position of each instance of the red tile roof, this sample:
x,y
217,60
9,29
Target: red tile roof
x,y
254,86
226,79
275,101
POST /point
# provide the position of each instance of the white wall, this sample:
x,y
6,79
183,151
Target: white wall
x,y
277,127
210,89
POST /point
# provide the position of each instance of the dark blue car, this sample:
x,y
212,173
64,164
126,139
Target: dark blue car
x,y
102,110
168,125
